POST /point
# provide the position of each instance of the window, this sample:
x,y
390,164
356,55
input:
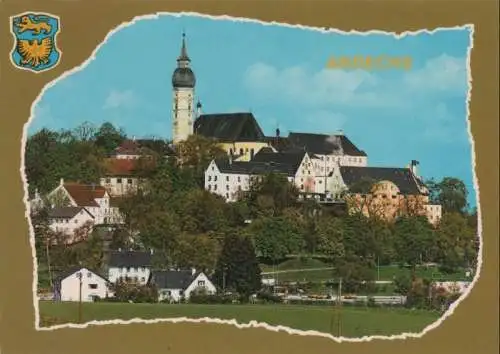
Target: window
x,y
213,168
129,181
108,180
92,286
215,187
230,151
239,179
227,195
209,187
241,151
252,153
209,178
128,269
302,187
89,275
227,178
76,221
201,283
143,279
118,180
215,178
227,187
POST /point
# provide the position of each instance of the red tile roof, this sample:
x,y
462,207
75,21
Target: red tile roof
x,y
128,147
85,194
119,167
125,167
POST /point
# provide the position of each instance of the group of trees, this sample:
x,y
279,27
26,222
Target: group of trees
x,y
188,226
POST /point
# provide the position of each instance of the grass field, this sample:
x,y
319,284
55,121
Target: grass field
x,y
356,322
307,270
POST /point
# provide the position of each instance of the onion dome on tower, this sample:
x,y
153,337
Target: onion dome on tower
x,y
183,76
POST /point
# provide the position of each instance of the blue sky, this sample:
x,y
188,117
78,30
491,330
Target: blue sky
x,y
278,73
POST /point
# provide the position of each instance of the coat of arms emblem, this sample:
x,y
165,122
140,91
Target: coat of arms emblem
x,y
35,47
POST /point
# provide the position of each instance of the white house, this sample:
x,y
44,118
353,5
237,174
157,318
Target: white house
x,y
81,284
94,198
228,178
68,219
126,265
175,285
120,177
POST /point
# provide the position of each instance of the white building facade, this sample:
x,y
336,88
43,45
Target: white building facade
x,y
129,266
183,110
83,284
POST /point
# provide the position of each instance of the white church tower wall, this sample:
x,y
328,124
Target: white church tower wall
x,y
183,110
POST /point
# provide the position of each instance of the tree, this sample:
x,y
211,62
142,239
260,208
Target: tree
x,y
457,242
330,234
275,238
414,237
196,251
450,193
270,194
108,138
200,211
196,153
237,266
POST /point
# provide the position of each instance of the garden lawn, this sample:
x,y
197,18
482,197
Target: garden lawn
x,y
356,322
296,270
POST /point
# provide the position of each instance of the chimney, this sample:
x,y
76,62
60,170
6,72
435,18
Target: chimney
x,y
277,132
61,181
340,132
151,251
193,271
413,167
119,249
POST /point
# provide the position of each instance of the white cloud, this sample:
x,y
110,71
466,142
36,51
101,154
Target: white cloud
x,y
297,84
443,74
118,99
440,74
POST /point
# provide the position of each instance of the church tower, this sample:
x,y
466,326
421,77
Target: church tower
x,y
183,82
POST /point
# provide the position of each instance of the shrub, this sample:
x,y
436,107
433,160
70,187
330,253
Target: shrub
x,y
267,297
210,299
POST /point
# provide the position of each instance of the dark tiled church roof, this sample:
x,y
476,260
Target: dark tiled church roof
x,y
229,127
323,144
401,177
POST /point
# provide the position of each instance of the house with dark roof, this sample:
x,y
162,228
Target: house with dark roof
x,y
68,219
328,151
81,284
128,265
94,198
175,285
385,191
229,178
238,133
